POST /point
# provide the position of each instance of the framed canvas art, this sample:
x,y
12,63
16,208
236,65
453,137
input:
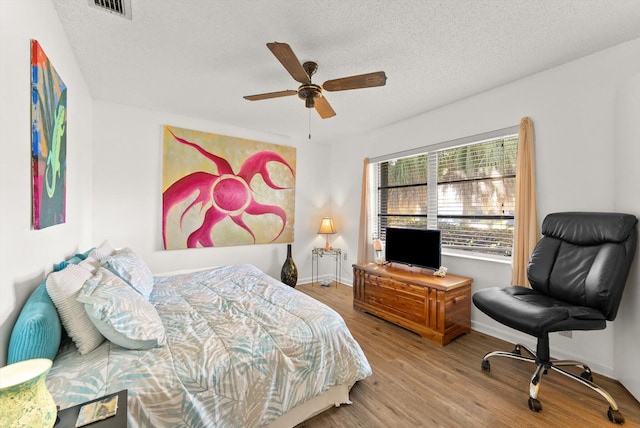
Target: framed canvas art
x,y
48,141
222,191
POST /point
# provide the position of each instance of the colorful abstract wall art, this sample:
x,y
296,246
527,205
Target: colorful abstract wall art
x,y
222,191
48,141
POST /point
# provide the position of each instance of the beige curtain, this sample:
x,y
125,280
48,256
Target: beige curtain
x,y
364,250
526,218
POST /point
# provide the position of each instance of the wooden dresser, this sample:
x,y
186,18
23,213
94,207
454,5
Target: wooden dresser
x,y
438,309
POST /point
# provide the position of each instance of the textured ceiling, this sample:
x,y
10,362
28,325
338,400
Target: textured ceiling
x,y
199,57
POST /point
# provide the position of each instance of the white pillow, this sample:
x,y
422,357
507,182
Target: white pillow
x,y
63,288
129,266
120,313
104,250
90,264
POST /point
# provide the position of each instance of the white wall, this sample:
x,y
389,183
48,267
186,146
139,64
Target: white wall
x,y
573,111
114,188
27,255
627,197
127,187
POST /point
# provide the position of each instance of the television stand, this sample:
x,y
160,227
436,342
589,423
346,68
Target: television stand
x,y
437,308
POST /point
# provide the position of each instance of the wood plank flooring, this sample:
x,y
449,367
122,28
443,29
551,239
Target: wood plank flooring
x,y
416,383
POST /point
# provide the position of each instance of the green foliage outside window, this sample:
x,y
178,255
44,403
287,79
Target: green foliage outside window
x,y
471,199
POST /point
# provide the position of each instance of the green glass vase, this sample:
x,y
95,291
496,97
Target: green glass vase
x,y
289,272
25,400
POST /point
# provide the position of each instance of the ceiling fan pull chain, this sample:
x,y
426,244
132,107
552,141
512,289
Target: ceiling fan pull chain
x,y
309,123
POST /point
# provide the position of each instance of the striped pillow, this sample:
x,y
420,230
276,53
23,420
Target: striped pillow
x,y
64,287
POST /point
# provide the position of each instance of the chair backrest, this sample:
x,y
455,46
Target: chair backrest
x,y
584,259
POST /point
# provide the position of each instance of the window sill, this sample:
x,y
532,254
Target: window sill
x,y
477,256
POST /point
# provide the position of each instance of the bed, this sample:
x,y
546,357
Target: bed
x,y
238,349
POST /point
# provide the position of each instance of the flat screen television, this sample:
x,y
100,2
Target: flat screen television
x,y
413,247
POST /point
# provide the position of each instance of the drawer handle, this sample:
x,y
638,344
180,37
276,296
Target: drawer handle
x,y
459,299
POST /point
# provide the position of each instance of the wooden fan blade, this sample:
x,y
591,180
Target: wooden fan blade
x,y
323,107
270,95
368,80
288,59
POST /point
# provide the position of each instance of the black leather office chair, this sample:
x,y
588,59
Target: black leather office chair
x,y
577,273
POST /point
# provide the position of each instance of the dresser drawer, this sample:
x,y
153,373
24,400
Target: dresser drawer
x,y
406,305
398,287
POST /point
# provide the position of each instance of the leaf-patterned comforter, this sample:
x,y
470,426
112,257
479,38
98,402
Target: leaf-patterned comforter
x,y
242,349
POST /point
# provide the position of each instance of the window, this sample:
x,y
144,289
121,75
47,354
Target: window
x,y
467,191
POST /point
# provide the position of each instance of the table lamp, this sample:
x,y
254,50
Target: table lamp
x,y
377,246
327,227
25,400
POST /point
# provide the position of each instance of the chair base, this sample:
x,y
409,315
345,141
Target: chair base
x,y
585,377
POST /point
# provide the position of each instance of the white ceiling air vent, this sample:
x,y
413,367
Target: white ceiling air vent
x,y
117,7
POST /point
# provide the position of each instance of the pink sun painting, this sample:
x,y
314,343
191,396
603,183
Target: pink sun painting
x,y
222,191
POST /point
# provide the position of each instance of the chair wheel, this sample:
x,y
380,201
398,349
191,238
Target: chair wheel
x,y
615,416
586,375
534,404
486,366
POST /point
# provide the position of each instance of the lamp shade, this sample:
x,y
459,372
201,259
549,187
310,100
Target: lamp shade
x,y
327,226
25,400
377,246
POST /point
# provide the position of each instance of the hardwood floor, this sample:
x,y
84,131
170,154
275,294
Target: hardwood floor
x,y
416,383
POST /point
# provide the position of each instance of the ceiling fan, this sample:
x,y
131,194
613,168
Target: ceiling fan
x,y
310,92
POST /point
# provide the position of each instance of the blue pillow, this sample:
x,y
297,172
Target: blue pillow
x,y
37,331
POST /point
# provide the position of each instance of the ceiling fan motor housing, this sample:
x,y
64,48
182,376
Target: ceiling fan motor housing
x,y
309,92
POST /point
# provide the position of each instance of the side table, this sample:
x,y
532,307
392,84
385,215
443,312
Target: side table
x,y
67,418
316,254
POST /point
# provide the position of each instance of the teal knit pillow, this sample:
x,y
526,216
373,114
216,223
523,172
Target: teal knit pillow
x,y
37,331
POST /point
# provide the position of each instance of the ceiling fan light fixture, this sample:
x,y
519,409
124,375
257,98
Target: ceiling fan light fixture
x,y
310,102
